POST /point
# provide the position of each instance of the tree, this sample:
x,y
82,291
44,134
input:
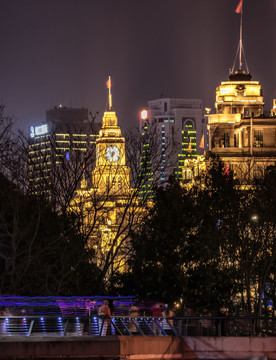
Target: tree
x,y
249,233
202,245
158,244
113,208
41,252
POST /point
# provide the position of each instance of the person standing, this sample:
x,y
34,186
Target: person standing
x,y
111,329
168,321
104,318
222,315
133,313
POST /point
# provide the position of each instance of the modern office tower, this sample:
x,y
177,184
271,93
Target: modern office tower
x,y
179,130
66,141
147,158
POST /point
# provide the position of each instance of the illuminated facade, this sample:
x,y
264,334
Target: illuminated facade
x,y
66,136
179,126
193,170
240,132
110,206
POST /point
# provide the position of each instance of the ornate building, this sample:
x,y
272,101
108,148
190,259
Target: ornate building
x,y
109,208
240,131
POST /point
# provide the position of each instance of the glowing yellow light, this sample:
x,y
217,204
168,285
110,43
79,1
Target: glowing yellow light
x,y
252,90
144,114
227,90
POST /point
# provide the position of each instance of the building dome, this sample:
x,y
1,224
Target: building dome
x,y
240,75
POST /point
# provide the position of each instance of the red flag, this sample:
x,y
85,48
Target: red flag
x,y
108,83
201,145
226,171
239,7
190,146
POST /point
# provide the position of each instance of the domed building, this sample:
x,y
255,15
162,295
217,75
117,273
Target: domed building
x,y
240,132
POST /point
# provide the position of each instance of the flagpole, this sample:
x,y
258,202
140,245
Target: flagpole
x,y
241,37
109,93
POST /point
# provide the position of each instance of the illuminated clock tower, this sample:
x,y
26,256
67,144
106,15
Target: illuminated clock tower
x,y
108,207
111,172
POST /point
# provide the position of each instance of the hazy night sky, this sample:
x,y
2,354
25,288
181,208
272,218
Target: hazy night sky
x,y
62,51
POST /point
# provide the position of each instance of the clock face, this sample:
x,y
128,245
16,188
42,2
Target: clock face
x,y
112,153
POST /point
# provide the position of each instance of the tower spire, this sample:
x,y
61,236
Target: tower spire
x,y
108,84
240,50
241,47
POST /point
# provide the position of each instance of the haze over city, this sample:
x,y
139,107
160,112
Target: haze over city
x,y
62,52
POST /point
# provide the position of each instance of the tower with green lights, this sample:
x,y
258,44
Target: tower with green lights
x,y
178,126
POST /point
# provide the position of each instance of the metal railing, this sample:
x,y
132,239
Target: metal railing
x,y
60,326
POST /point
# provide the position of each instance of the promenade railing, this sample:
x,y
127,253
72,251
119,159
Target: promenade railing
x,y
60,326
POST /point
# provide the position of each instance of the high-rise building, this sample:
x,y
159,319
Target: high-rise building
x,y
179,128
66,138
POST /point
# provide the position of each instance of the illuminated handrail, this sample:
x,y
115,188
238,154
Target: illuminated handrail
x,y
94,325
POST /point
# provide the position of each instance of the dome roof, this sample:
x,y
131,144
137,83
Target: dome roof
x,y
240,75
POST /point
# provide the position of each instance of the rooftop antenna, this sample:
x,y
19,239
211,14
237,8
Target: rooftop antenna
x,y
240,50
108,84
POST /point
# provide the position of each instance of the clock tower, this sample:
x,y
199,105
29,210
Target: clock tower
x,y
110,173
109,208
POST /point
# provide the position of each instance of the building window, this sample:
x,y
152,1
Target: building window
x,y
258,138
187,174
246,111
165,108
236,140
226,140
188,124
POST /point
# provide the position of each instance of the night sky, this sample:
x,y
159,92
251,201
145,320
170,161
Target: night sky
x,y
62,51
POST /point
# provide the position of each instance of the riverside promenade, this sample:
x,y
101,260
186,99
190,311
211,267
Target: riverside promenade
x,y
136,338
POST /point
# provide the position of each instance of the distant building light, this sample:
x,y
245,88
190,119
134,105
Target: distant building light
x,y
144,114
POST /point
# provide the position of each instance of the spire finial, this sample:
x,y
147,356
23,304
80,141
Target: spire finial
x,y
108,84
240,50
239,11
